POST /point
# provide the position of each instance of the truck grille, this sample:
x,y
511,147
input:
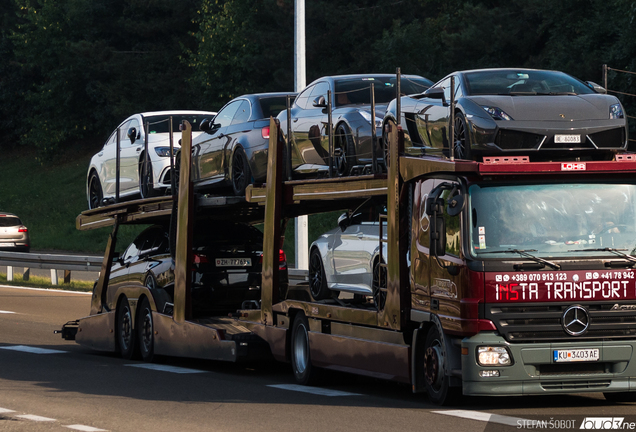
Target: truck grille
x,y
542,322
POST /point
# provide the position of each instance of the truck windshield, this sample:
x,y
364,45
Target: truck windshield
x,y
553,220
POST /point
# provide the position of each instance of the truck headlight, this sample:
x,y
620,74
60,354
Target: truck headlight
x,y
616,111
493,356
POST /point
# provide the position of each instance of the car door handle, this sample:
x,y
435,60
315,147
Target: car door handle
x,y
100,154
360,235
295,120
221,135
138,149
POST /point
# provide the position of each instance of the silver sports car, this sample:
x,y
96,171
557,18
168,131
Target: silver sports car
x,y
348,258
537,113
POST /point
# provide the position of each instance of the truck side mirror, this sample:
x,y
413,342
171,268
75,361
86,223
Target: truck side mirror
x,y
455,205
435,209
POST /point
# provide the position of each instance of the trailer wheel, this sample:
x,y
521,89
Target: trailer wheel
x,y
126,338
304,372
436,381
145,329
620,397
317,278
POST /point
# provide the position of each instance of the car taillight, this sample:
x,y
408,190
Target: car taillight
x,y
265,132
200,259
23,229
282,258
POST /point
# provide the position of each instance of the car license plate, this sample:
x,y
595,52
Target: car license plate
x,y
566,139
574,355
7,244
234,262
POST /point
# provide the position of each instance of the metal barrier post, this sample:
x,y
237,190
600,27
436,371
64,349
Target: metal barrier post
x,y
25,274
374,138
117,167
330,132
53,277
9,273
67,276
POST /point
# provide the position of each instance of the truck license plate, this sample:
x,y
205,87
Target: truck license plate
x,y
574,355
234,262
566,139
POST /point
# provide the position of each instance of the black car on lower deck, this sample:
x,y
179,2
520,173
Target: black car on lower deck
x,y
226,268
232,151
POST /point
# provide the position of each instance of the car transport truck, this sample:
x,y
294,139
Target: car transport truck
x,y
501,277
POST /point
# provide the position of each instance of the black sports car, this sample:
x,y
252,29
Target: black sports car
x,y
226,268
351,117
232,152
531,112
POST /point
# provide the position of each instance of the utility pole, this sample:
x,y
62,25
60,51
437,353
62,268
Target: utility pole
x,y
302,232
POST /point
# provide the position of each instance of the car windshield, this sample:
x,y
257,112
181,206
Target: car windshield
x,y
161,123
9,221
356,91
523,82
271,106
565,219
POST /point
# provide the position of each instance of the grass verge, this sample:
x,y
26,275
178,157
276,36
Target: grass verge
x,y
41,282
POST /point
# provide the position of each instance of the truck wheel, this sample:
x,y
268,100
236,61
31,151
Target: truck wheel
x,y
317,279
436,382
304,372
145,332
126,338
620,397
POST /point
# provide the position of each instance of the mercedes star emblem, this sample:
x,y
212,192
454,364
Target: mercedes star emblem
x,y
575,320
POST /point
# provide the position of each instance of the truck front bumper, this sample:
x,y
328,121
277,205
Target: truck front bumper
x,y
534,371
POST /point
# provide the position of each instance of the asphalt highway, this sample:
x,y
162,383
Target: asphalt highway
x,y
49,384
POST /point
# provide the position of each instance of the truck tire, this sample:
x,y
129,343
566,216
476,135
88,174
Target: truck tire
x,y
620,397
436,381
304,372
317,278
145,331
126,337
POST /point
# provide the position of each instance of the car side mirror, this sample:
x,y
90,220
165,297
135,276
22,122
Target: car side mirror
x,y
343,221
320,102
116,257
436,93
597,88
204,125
132,134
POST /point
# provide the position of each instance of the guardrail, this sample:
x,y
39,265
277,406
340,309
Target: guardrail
x,y
53,262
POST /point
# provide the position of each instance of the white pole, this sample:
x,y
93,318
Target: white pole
x,y
302,233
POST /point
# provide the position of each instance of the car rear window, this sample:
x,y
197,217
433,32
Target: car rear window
x,y
9,221
271,106
161,123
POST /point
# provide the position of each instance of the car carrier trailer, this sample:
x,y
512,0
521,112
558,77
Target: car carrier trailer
x,y
458,315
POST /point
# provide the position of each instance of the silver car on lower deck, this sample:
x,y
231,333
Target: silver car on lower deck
x,y
348,258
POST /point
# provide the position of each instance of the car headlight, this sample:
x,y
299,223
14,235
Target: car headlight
x,y
163,151
616,111
497,113
493,356
367,116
